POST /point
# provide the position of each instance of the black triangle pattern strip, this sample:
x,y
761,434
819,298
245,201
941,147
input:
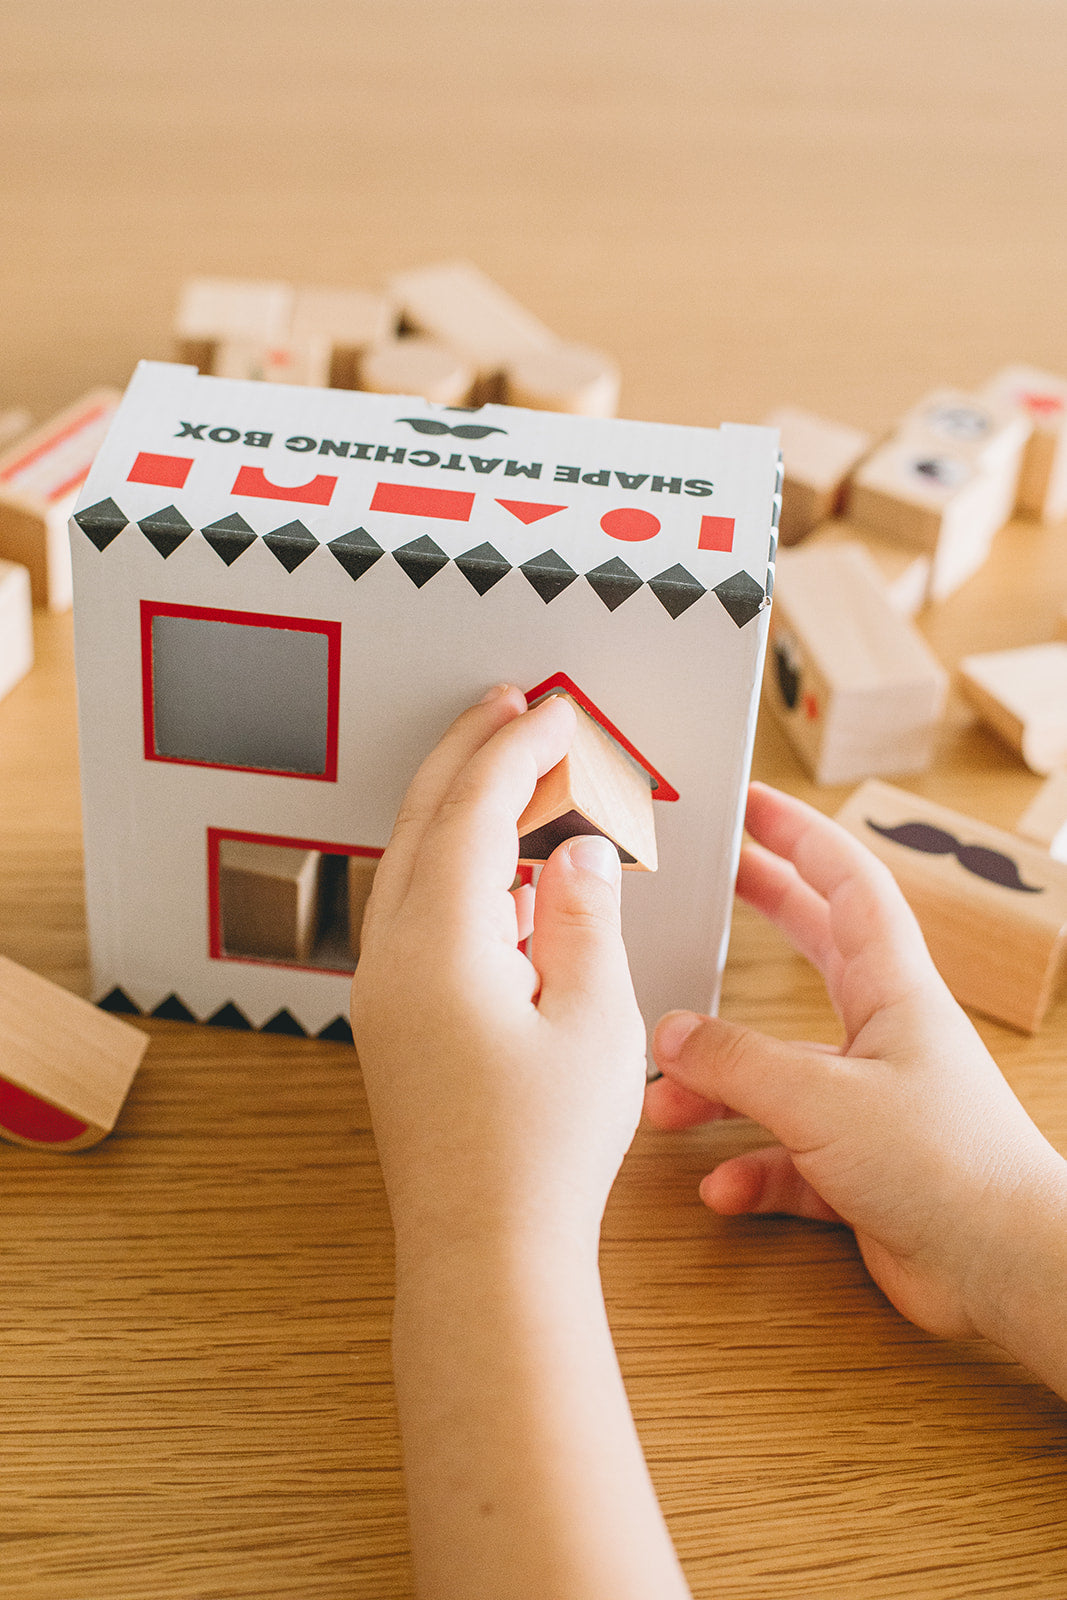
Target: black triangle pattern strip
x,y
548,574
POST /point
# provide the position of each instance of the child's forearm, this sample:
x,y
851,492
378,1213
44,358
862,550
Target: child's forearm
x,y
525,1477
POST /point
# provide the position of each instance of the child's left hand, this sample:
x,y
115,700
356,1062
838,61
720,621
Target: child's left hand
x,y
504,1091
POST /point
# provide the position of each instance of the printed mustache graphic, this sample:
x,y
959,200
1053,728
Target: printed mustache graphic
x,y
976,858
466,430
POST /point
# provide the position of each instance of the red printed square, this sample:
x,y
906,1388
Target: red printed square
x,y
167,472
716,533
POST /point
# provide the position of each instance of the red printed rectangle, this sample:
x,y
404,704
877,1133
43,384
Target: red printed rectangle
x,y
716,533
413,500
168,472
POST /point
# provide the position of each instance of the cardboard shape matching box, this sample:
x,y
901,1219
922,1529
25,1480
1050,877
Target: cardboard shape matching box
x,y
282,597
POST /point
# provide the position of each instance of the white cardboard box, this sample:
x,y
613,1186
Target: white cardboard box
x,y
282,597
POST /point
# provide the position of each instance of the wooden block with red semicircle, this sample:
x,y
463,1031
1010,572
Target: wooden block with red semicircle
x,y
65,1067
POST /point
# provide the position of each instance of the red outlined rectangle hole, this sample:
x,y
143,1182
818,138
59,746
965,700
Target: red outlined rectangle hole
x,y
277,901
242,690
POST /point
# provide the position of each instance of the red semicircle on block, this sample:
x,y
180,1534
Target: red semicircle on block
x,y
254,481
28,1117
529,510
661,789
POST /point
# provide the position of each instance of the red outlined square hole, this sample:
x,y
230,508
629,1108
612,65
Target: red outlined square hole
x,y
282,902
243,690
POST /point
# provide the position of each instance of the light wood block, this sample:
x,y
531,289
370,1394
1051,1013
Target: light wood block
x,y
596,788
904,571
1045,818
39,482
1022,694
991,432
361,870
349,321
416,366
564,377
993,909
854,685
457,304
13,424
1042,398
211,310
938,501
818,457
303,363
269,899
65,1067
16,625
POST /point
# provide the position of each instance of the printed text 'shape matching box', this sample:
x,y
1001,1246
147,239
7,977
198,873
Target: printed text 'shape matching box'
x,y
283,596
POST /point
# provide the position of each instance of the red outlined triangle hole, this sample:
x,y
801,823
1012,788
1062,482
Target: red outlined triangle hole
x,y
661,789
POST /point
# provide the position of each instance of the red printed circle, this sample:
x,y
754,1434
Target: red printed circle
x,y
630,524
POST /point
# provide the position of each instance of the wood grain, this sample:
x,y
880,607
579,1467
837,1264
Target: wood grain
x,y
832,205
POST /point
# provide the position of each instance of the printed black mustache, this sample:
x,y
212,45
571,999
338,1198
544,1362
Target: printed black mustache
x,y
466,430
976,858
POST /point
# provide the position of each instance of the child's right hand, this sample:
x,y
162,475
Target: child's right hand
x,y
908,1133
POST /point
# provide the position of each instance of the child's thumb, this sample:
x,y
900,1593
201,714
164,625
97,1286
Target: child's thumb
x,y
577,943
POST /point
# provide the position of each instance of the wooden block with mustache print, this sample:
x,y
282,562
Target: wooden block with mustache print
x,y
992,907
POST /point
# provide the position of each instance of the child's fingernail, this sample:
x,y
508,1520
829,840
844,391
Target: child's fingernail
x,y
494,693
591,852
672,1032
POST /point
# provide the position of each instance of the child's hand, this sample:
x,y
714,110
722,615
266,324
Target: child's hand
x,y
909,1132
504,1091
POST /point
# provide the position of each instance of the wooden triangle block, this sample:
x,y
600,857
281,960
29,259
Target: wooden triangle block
x,y
596,788
65,1066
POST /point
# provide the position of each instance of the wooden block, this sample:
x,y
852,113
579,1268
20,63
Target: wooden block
x,y
818,457
993,909
16,625
854,685
1022,694
459,306
596,788
211,310
905,572
943,503
65,1067
564,377
269,898
39,482
990,432
1042,399
361,870
306,363
414,366
1045,818
349,321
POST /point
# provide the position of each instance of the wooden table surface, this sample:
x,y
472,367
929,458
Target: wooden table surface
x,y
837,204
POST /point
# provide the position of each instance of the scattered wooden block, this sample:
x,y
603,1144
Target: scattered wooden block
x,y
213,310
596,788
904,571
269,899
65,1067
564,377
992,433
361,870
1042,398
993,909
943,503
306,363
349,321
12,424
1045,818
1022,695
459,306
39,482
818,457
16,625
856,688
415,366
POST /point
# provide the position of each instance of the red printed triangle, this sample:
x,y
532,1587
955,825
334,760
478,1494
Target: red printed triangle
x,y
529,510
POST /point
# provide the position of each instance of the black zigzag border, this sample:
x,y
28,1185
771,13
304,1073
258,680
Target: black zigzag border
x,y
174,1009
741,595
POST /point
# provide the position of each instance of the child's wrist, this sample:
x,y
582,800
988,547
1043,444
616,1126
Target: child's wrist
x,y
1019,1298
